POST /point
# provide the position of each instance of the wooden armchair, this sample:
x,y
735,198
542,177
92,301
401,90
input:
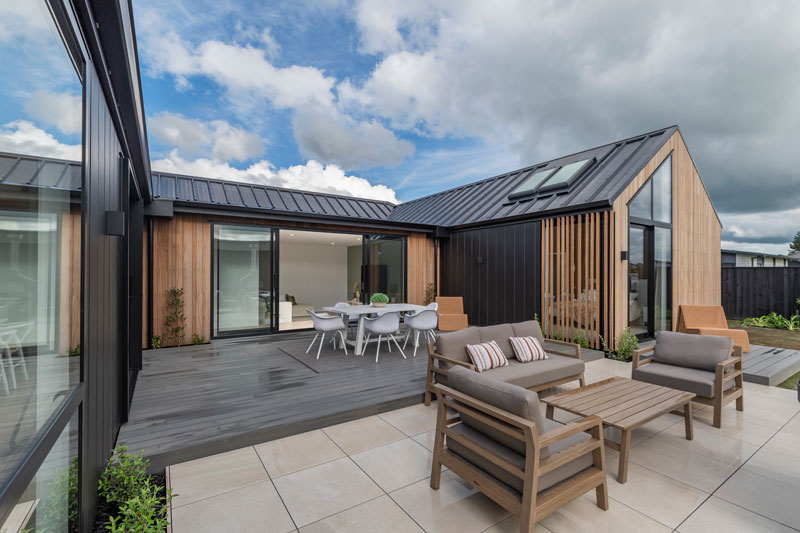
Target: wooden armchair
x,y
451,313
529,469
710,320
717,388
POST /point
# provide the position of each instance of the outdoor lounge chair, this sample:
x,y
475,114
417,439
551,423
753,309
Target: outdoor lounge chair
x,y
451,313
707,365
450,351
502,445
710,320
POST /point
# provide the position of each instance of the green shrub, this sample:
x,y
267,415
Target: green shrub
x,y
197,339
579,338
175,320
536,317
379,298
775,321
626,344
124,475
143,512
430,294
155,342
74,352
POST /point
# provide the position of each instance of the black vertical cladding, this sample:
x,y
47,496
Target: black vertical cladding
x,y
497,270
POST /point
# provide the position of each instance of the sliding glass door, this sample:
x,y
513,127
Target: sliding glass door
x,y
384,260
243,297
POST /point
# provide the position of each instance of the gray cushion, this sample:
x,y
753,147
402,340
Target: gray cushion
x,y
535,373
691,351
518,459
453,344
529,328
500,334
700,382
515,400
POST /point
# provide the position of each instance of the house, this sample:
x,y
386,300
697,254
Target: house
x,y
743,258
592,243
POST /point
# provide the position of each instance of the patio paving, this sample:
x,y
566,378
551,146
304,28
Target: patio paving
x,y
372,475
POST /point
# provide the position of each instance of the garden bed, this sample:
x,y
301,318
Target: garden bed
x,y
106,510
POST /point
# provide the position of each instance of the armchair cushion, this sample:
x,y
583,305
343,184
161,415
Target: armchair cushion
x,y
529,328
700,382
453,344
518,458
702,352
515,400
499,334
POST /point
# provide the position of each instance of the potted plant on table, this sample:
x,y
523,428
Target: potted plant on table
x,y
379,299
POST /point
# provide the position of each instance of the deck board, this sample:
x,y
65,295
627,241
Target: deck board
x,y
197,400
766,365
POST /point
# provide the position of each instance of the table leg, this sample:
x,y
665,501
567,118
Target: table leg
x,y
549,413
624,450
687,414
360,336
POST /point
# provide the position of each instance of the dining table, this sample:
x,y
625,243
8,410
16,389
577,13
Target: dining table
x,y
362,311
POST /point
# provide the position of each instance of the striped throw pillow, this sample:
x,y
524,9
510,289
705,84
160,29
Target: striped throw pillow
x,y
527,349
486,356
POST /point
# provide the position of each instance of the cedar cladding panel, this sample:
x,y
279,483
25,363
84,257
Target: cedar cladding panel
x,y
496,270
696,256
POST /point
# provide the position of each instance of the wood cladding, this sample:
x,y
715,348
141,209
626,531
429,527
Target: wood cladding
x,y
69,297
577,277
696,231
182,258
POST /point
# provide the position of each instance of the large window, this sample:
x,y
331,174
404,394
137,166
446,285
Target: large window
x,y
242,279
650,254
386,262
41,116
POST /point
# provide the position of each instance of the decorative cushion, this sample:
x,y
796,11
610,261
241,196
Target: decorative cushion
x,y
527,349
486,356
702,352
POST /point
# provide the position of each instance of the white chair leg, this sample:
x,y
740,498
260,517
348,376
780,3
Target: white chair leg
x,y
321,342
388,345
312,343
344,344
21,354
416,343
377,348
398,346
408,334
11,371
3,375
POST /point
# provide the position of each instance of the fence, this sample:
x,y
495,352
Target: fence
x,y
756,291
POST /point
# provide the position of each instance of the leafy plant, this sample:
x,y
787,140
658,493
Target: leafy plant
x,y
775,321
379,298
536,317
197,339
63,494
626,344
124,475
74,352
143,512
430,294
155,342
175,320
757,321
579,338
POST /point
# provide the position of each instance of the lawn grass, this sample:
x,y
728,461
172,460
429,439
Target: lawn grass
x,y
779,338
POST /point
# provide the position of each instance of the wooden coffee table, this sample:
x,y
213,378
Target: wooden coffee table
x,y
624,404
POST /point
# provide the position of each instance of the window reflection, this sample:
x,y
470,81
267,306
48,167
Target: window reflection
x,y
40,226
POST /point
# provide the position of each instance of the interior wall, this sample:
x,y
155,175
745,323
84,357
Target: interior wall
x,y
314,274
696,255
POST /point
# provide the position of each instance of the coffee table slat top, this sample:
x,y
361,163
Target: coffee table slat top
x,y
622,403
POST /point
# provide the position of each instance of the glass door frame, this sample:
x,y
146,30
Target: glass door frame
x,y
649,227
365,264
274,253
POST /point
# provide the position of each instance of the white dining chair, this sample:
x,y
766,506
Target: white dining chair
x,y
424,322
10,338
350,320
324,323
384,324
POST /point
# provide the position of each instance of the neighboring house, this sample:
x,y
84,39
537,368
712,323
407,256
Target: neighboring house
x,y
742,258
595,242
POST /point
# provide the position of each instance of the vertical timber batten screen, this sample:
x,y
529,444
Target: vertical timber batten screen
x,y
577,278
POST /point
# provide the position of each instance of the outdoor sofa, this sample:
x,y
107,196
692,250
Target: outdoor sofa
x,y
450,350
707,365
499,442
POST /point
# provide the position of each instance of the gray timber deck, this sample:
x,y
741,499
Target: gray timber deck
x,y
770,366
195,401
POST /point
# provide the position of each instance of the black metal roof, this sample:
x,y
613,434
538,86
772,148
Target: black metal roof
x,y
236,194
614,166
32,171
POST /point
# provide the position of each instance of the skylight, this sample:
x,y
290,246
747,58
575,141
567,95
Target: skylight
x,y
532,182
566,174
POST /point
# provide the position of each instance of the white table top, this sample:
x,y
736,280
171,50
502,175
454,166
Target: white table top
x,y
369,309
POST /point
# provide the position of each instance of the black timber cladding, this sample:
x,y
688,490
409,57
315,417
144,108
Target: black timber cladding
x,y
487,201
195,190
496,269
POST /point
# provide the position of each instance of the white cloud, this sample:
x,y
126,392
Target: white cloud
x,y
23,137
772,229
217,138
312,176
744,246
335,138
62,110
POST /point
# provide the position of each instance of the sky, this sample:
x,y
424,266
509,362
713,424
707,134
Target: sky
x,y
396,99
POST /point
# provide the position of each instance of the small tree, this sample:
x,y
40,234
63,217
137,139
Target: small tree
x,y
176,320
794,246
430,294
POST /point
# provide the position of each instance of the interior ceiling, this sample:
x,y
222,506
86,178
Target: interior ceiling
x,y
288,236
